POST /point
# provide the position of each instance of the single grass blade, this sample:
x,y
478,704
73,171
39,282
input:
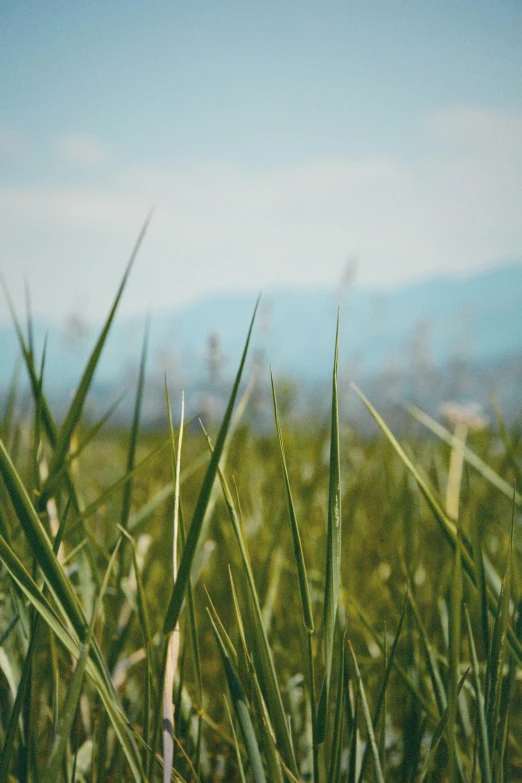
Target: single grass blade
x,y
454,659
379,775
74,413
438,734
455,470
189,551
196,658
381,698
225,638
298,549
141,517
174,637
158,713
143,615
242,713
508,444
5,634
133,440
333,552
50,426
352,758
482,585
236,744
481,711
313,707
338,730
382,732
29,317
10,404
498,656
37,427
431,659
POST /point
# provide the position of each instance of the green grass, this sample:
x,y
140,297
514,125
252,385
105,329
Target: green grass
x,y
336,624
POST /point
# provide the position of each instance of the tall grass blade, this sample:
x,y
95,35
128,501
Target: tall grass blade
x,y
480,706
236,744
482,584
158,712
10,405
50,426
143,614
454,659
196,659
497,658
431,659
131,454
507,441
74,413
381,698
5,634
174,636
142,516
438,734
29,316
351,774
298,549
379,775
242,713
333,552
189,551
338,730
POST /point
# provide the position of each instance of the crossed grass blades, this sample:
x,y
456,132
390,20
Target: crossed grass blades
x,y
324,618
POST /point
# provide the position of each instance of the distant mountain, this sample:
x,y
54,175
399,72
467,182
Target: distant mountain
x,y
418,336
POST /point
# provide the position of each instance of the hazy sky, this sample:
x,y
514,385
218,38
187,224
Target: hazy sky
x,y
276,139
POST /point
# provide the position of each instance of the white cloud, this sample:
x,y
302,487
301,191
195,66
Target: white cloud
x,y
82,149
218,225
472,129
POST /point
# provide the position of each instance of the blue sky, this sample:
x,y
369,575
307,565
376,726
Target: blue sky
x,y
276,139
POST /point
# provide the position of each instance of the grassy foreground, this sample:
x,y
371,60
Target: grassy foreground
x,y
306,606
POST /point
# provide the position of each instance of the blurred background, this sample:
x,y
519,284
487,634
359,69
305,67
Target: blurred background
x,y
365,155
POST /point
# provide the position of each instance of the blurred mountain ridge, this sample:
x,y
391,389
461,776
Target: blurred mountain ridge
x,y
458,337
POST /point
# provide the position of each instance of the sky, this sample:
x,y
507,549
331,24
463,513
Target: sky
x,y
278,142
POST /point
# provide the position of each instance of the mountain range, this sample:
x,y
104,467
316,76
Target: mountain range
x,y
430,340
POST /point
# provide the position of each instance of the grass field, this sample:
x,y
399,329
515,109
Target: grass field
x,y
337,609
